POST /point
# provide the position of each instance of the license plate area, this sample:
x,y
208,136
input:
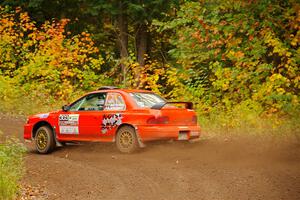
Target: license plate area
x,y
183,135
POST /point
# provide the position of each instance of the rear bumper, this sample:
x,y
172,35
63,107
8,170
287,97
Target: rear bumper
x,y
28,131
163,132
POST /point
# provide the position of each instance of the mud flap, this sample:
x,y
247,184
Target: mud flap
x,y
58,144
141,144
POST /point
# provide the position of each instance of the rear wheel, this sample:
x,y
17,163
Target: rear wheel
x,y
44,140
126,140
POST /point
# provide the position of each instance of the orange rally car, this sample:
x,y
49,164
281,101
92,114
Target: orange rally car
x,y
127,117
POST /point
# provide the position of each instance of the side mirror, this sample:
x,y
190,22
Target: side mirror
x,y
65,108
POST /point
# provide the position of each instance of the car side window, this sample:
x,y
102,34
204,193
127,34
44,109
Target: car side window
x,y
76,105
90,102
114,101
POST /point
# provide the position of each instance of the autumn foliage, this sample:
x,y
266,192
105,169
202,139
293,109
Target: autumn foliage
x,y
45,58
234,53
234,59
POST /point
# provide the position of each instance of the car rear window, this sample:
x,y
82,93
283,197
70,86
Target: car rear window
x,y
147,100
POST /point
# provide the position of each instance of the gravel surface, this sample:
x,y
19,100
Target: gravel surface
x,y
212,169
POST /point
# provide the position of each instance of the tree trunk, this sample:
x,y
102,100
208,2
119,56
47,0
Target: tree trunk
x,y
141,48
122,41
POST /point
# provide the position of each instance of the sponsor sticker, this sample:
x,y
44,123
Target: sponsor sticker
x,y
69,130
111,121
68,124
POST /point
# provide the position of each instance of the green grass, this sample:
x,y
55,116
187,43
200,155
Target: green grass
x,y
11,167
19,101
249,122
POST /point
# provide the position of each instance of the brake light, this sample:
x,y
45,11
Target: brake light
x,y
158,120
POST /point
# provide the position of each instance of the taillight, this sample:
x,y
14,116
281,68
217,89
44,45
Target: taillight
x,y
158,120
194,119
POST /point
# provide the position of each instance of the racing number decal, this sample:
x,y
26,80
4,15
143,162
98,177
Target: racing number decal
x,y
68,124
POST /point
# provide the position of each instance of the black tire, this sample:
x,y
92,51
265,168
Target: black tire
x,y
126,140
44,140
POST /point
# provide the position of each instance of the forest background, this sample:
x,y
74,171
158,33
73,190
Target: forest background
x,y
237,60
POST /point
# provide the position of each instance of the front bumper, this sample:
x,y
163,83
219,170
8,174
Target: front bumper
x,y
28,131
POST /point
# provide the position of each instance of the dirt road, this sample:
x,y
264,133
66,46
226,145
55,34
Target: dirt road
x,y
210,169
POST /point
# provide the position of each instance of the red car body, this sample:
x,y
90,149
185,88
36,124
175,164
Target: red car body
x,y
109,110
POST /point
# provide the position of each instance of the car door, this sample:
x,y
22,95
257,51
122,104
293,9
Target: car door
x,y
113,115
83,120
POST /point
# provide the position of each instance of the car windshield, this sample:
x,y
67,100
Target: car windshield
x,y
147,100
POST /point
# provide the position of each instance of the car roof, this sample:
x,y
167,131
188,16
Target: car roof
x,y
121,90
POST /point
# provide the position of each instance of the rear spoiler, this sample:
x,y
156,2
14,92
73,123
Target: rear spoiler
x,y
158,106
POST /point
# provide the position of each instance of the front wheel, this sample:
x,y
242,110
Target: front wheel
x,y
126,140
44,140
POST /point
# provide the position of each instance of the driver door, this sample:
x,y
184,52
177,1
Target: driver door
x,y
83,120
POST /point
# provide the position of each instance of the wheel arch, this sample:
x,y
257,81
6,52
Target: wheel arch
x,y
38,125
125,124
140,142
